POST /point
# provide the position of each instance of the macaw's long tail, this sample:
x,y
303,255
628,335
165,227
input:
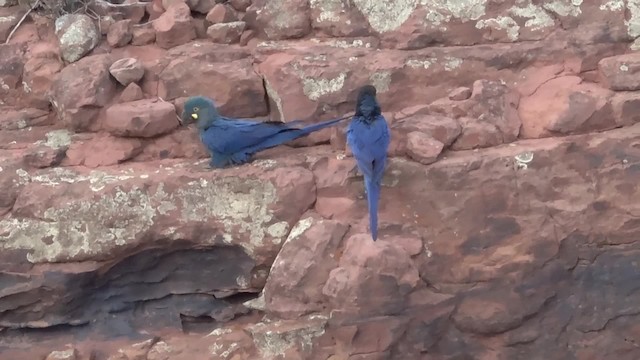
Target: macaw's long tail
x,y
373,197
289,133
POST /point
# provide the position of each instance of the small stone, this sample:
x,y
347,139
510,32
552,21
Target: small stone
x,y
246,37
621,72
142,118
143,34
459,94
423,148
222,13
132,92
204,6
240,5
120,33
190,3
174,27
227,33
154,9
477,134
69,354
127,70
77,35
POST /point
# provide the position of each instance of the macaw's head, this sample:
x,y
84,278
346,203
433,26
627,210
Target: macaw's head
x,y
200,109
366,104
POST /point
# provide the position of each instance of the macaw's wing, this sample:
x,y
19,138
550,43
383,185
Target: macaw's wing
x,y
230,136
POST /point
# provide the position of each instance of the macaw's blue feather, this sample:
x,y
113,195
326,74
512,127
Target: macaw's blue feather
x,y
368,137
234,141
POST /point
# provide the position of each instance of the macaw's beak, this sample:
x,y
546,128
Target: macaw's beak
x,y
186,118
194,116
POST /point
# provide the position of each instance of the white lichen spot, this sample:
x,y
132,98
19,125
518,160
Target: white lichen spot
x,y
242,206
442,11
564,7
381,80
316,88
385,16
523,160
258,303
276,342
278,230
242,282
501,23
415,63
624,67
219,332
538,17
329,10
57,139
633,24
25,87
273,95
299,228
613,5
22,123
452,63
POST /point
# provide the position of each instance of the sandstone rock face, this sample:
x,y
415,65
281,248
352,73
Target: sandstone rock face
x,y
81,89
508,210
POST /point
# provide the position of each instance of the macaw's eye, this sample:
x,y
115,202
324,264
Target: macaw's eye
x,y
195,108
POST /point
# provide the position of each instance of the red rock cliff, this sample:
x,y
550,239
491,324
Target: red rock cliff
x,y
508,213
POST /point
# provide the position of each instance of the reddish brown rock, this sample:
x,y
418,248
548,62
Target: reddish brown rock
x,y
190,3
423,148
39,71
154,9
45,156
240,5
127,70
476,134
238,92
347,284
143,34
174,27
279,19
307,271
459,94
81,89
626,108
10,16
570,107
11,68
621,72
227,33
142,118
102,150
442,129
132,92
246,37
204,6
15,119
120,33
222,13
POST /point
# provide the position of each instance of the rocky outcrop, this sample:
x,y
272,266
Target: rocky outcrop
x,y
507,218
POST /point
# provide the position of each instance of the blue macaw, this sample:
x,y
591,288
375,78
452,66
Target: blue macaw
x,y
234,141
368,137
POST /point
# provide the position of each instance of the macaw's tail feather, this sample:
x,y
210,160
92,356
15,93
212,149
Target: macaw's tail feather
x,y
373,196
288,134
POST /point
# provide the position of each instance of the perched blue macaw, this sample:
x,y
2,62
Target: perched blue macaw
x,y
234,141
368,137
